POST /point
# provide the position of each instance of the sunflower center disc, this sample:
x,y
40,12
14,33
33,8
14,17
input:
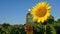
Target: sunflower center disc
x,y
41,12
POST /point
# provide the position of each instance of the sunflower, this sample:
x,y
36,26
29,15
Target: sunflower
x,y
41,12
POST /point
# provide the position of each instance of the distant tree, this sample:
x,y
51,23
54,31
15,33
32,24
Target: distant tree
x,y
5,25
58,21
50,19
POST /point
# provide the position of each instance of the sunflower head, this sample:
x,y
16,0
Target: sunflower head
x,y
41,12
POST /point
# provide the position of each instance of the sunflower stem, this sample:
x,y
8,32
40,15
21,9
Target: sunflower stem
x,y
44,29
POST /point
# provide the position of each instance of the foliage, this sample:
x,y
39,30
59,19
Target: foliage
x,y
19,29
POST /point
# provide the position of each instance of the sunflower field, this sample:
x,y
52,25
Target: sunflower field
x,y
54,28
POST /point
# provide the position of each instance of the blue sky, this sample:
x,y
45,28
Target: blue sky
x,y
14,11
